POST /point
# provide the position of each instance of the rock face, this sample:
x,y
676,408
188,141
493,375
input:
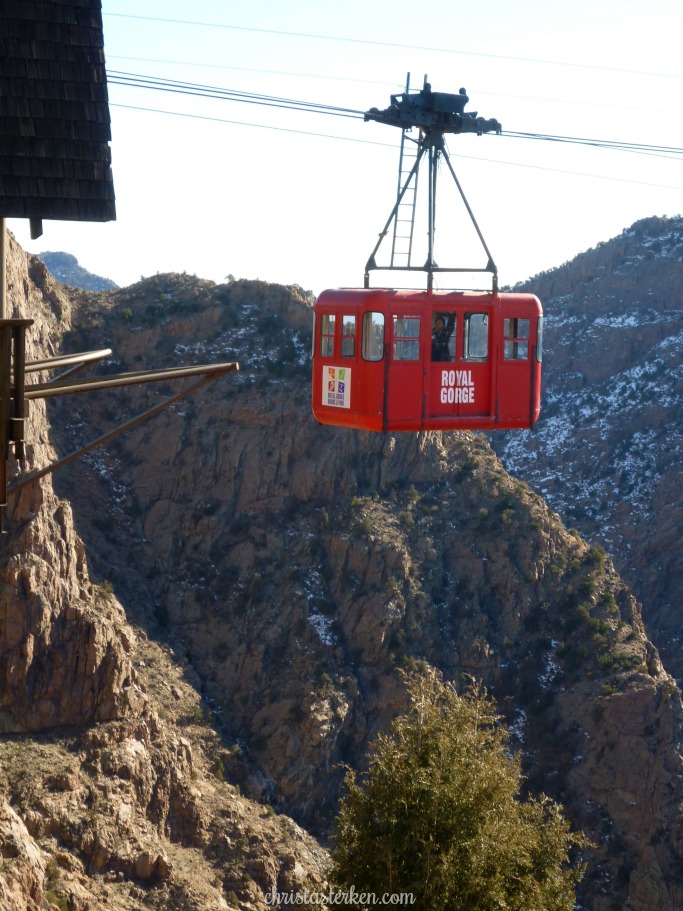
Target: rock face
x,y
63,658
22,883
107,815
606,450
297,569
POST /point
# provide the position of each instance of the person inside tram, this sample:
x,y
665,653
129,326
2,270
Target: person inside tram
x,y
441,336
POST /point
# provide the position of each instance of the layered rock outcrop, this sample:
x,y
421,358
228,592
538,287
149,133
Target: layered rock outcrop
x,y
23,866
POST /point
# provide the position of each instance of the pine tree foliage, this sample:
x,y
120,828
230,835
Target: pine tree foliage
x,y
439,814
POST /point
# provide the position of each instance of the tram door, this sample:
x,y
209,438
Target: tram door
x,y
516,369
460,365
372,376
405,375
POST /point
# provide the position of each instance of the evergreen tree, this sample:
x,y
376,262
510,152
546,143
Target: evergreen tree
x,y
439,814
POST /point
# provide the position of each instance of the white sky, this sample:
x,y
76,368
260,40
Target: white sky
x,y
214,198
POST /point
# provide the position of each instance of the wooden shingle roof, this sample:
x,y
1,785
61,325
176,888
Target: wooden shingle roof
x,y
55,160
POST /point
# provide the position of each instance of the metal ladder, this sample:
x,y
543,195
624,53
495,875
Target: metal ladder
x,y
404,218
406,197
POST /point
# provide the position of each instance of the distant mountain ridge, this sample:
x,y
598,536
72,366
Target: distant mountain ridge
x,y
66,269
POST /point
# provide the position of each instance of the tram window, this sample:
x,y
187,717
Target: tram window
x,y
476,336
327,334
406,338
443,337
373,336
348,346
539,340
516,339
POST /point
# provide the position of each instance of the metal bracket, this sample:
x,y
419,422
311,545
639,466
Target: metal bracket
x,y
15,395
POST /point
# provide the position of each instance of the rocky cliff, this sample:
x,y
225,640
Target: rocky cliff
x,y
283,573
606,452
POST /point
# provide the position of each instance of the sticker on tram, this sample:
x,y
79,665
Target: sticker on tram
x,y
456,386
338,390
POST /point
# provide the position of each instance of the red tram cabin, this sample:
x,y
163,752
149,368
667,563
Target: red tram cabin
x,y
391,360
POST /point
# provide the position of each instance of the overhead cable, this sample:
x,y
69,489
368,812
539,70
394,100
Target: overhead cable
x,y
139,81
136,80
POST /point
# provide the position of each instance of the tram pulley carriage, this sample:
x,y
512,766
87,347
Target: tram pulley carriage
x,y
391,359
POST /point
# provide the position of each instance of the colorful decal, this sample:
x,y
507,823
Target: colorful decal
x,y
457,387
337,387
